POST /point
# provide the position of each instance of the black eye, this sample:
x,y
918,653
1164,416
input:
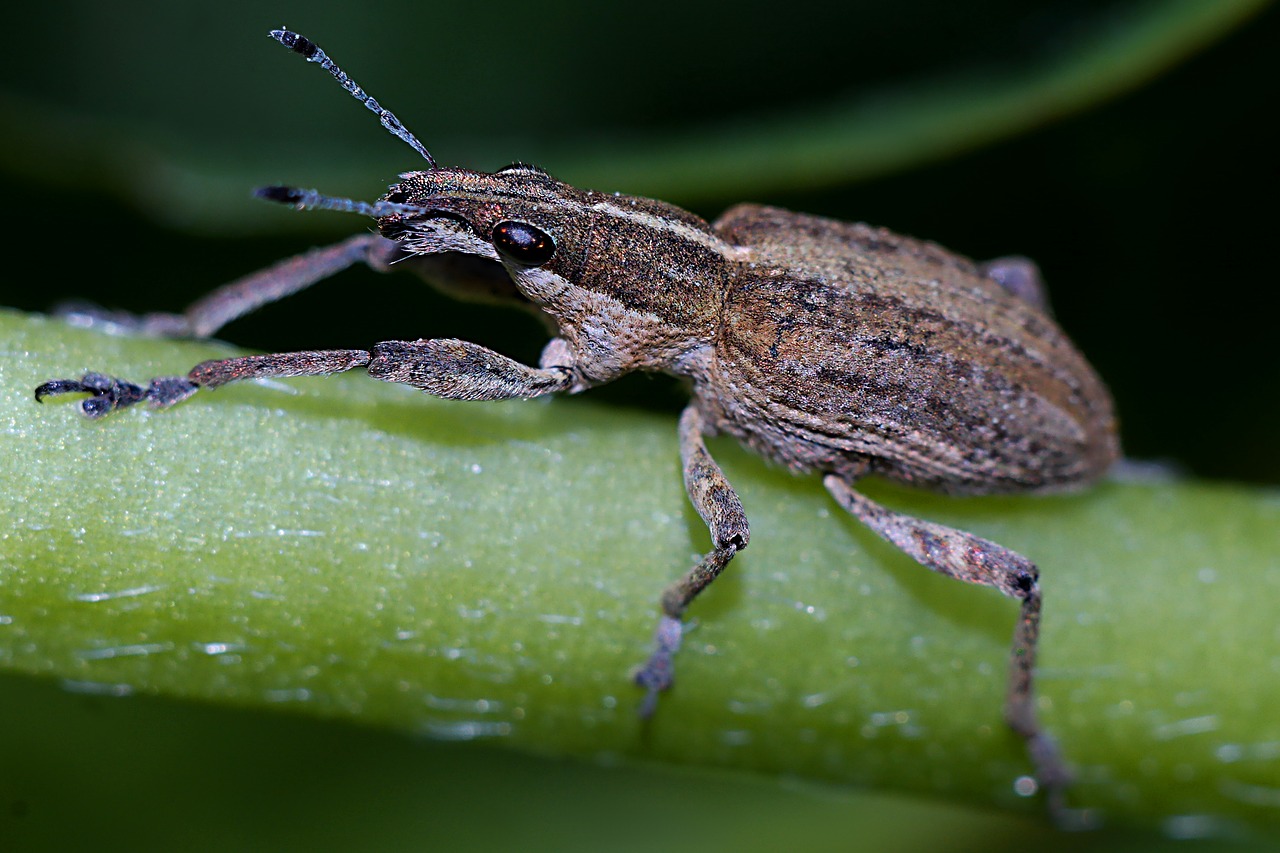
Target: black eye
x,y
523,243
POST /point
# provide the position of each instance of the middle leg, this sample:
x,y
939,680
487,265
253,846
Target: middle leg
x,y
719,507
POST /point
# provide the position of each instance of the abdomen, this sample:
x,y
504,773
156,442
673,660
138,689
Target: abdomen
x,y
911,364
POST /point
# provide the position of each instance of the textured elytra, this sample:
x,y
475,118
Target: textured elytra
x,y
864,342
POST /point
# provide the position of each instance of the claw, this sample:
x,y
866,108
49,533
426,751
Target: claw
x,y
108,393
61,386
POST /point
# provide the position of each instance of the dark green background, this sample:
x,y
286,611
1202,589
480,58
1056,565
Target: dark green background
x,y
131,134
1151,215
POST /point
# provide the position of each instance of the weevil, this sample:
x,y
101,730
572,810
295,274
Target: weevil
x,y
829,347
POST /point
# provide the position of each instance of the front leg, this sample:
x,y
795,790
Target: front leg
x,y
718,504
107,393
446,368
211,312
459,370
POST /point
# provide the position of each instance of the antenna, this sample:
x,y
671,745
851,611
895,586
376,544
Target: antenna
x,y
313,200
305,46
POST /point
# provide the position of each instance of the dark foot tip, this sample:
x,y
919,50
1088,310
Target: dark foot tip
x,y
282,195
79,312
107,393
55,387
655,677
648,705
658,673
96,407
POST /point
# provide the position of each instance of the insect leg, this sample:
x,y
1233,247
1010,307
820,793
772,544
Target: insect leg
x,y
970,558
108,393
460,370
447,368
718,504
211,312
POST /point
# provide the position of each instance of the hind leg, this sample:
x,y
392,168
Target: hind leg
x,y
970,558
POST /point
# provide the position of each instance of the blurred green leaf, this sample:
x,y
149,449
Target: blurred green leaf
x,y
345,549
143,774
770,104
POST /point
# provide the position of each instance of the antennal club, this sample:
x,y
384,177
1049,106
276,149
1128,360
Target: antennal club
x,y
305,46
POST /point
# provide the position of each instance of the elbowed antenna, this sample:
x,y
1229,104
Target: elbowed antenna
x,y
305,46
313,200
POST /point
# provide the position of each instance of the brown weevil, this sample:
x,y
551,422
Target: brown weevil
x,y
826,346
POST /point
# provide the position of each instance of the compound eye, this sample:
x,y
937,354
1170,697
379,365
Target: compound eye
x,y
523,243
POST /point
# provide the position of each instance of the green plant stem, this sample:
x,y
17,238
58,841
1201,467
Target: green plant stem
x,y
489,572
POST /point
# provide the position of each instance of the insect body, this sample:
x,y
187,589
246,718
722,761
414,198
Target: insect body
x,y
829,347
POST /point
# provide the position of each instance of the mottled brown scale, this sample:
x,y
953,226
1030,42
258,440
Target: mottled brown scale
x,y
826,346
847,339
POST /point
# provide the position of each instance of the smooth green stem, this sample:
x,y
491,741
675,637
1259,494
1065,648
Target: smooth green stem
x,y
341,548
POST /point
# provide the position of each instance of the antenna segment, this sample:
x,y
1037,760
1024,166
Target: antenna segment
x,y
311,200
309,49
